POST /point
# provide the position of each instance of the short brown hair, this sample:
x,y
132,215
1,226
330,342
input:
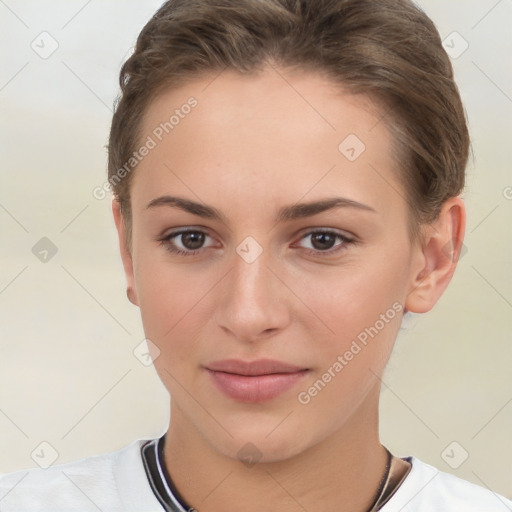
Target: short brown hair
x,y
389,50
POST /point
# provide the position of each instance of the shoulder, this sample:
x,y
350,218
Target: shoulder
x,y
426,488
114,481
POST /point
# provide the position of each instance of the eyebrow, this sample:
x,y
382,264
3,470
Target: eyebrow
x,y
287,213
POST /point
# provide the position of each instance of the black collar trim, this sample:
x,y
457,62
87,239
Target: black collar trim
x,y
159,479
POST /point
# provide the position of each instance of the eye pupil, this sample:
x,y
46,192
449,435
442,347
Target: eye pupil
x,y
192,240
323,238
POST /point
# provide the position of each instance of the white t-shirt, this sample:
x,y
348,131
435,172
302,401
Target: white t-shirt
x,y
117,482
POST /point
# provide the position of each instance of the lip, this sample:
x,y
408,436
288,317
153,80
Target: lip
x,y
257,367
254,381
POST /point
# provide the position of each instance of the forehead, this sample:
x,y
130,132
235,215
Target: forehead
x,y
280,131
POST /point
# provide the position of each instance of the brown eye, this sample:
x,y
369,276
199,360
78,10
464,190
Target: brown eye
x,y
192,239
323,241
187,242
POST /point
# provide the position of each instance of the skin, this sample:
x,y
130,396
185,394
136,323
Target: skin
x,y
252,146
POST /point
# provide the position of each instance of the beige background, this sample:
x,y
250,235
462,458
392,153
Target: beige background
x,y
68,375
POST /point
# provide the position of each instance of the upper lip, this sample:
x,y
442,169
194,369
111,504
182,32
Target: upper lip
x,y
258,367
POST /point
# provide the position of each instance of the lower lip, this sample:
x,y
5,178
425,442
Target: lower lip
x,y
256,388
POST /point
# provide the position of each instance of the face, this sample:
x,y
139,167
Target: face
x,y
269,224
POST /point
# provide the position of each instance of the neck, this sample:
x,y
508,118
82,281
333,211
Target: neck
x,y
342,472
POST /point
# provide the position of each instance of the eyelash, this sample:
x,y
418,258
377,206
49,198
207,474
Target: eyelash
x,y
166,241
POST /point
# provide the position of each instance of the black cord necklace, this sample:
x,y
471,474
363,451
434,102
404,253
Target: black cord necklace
x,y
383,483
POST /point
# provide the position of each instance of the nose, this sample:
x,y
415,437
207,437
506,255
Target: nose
x,y
254,302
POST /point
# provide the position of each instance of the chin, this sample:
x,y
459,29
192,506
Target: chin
x,y
255,445
250,451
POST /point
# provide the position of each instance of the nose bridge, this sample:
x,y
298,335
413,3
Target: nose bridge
x,y
250,276
252,302
250,280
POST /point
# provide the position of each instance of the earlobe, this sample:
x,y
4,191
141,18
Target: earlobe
x,y
131,296
437,257
126,255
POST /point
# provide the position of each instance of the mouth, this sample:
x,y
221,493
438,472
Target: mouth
x,y
254,381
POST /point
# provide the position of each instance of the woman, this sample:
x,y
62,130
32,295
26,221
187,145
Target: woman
x,y
287,178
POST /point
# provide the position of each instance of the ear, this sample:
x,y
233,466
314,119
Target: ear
x,y
437,256
125,252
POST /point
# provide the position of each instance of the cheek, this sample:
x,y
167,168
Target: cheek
x,y
347,300
164,290
358,314
167,307
174,304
